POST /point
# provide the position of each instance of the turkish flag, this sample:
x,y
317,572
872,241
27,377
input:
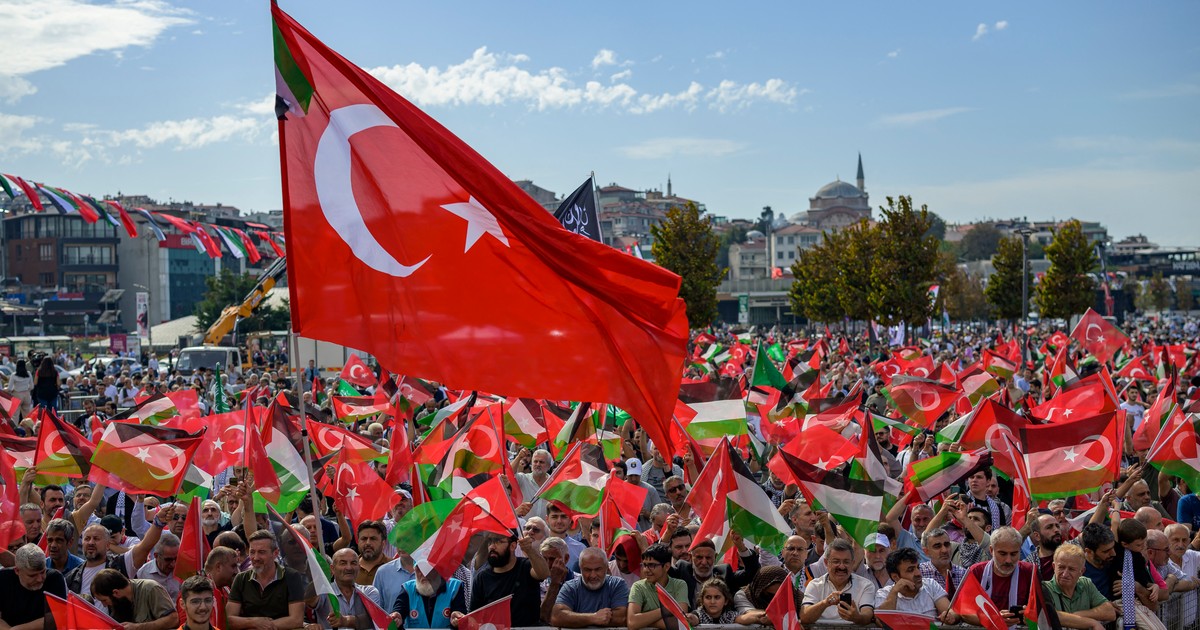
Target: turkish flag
x,y
1076,457
1088,396
359,491
1100,338
972,600
193,543
921,400
495,616
142,458
398,218
1137,369
357,373
782,609
11,525
224,440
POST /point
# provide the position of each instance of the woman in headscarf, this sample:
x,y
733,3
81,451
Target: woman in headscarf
x,y
751,601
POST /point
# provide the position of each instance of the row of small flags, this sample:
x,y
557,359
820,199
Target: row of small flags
x,y
206,237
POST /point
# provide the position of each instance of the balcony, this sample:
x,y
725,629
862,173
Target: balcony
x,y
763,285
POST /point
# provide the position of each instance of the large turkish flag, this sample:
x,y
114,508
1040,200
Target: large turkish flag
x,y
404,242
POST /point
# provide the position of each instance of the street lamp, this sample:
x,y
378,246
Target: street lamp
x,y
1024,232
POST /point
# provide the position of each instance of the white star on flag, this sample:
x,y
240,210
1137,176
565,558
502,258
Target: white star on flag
x,y
143,454
218,444
1070,454
479,222
352,493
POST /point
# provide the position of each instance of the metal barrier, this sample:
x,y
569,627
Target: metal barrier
x,y
1180,612
823,625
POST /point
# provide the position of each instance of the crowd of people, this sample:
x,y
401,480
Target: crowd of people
x,y
1084,554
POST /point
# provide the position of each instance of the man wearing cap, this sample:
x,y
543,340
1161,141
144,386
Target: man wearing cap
x,y
116,530
633,474
875,567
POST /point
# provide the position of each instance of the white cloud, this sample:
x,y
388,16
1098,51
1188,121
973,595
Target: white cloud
x,y
661,148
1001,25
624,74
488,78
42,34
893,54
189,133
263,106
980,31
720,54
910,119
730,95
605,57
13,128
14,88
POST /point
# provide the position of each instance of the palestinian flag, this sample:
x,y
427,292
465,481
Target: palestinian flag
x,y
293,89
523,422
856,504
280,456
765,372
998,365
380,619
436,533
446,423
61,449
153,411
197,483
716,420
580,427
476,454
930,477
577,482
1037,614
143,459
739,501
1176,451
902,433
615,519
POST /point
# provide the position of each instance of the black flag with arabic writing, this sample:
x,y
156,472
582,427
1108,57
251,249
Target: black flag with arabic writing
x,y
578,212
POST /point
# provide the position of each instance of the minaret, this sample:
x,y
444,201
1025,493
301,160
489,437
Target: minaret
x,y
861,183
669,193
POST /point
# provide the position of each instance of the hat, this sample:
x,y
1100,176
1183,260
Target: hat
x,y
633,466
404,493
877,539
112,523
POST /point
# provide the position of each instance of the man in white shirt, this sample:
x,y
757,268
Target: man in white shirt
x,y
823,596
909,592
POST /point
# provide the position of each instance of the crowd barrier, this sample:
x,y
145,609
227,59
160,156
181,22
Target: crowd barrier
x,y
1180,612
824,625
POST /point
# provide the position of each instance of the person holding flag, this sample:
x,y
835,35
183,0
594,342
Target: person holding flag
x,y
1005,579
428,601
350,611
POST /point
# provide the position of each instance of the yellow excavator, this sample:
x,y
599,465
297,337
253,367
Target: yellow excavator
x,y
234,312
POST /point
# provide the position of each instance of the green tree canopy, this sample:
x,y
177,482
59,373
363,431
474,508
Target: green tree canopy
x,y
1004,286
859,244
1067,289
230,289
1157,296
980,242
905,264
685,243
815,290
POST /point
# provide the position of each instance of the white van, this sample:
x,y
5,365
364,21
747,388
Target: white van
x,y
209,357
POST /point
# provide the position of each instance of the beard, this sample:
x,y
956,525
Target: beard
x,y
122,609
593,586
498,560
425,588
210,522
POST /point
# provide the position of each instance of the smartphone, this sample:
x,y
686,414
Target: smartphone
x,y
846,599
1016,611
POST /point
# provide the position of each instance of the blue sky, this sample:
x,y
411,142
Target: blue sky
x,y
1045,110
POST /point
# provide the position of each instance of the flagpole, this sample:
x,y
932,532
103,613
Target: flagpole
x,y
317,502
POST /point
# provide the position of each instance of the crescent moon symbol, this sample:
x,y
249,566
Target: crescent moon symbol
x,y
331,175
1099,439
1087,332
921,397
236,427
176,470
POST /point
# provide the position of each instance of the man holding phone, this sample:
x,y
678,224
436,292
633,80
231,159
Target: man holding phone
x,y
839,594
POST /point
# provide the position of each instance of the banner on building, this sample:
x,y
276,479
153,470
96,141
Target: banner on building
x,y
142,309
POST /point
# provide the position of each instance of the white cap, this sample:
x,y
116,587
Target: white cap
x,y
877,539
633,466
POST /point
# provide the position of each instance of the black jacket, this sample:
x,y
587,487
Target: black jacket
x,y
733,579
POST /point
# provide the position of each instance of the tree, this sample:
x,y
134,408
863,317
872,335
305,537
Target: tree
x,y
685,244
1157,296
964,298
937,226
859,244
814,292
1185,298
904,265
230,289
1004,286
980,242
1067,288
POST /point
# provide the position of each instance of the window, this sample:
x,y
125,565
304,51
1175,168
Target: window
x,y
46,252
48,279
